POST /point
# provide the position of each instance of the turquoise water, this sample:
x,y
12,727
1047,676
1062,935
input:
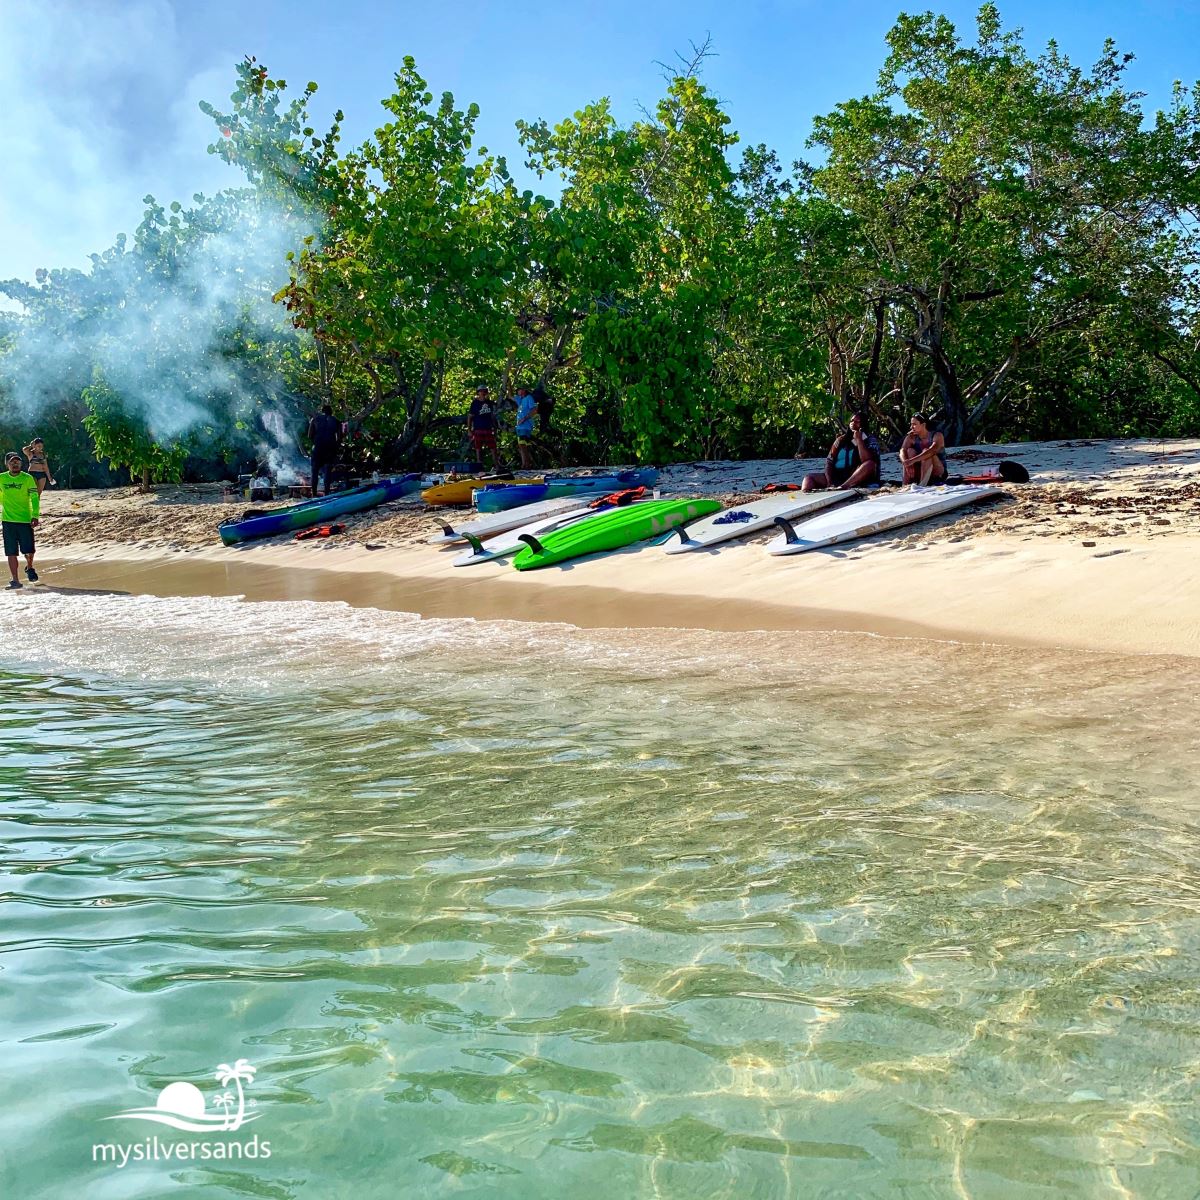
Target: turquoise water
x,y
513,911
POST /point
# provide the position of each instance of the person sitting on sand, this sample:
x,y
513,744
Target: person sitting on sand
x,y
853,460
923,454
19,506
39,464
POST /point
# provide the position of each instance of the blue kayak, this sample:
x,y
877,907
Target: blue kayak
x,y
497,499
317,511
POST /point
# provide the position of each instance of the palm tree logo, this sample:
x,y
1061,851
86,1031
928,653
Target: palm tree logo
x,y
235,1074
181,1104
225,1101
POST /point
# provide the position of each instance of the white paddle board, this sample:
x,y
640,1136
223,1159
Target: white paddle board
x,y
876,515
501,522
742,519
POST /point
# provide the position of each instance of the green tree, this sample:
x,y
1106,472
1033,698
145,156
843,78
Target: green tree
x,y
171,343
124,438
418,248
633,273
997,204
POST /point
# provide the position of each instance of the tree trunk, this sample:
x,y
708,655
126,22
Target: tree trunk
x,y
953,424
414,425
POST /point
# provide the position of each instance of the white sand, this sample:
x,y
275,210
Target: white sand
x,y
1101,551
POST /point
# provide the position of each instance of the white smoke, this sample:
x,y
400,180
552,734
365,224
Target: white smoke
x,y
100,108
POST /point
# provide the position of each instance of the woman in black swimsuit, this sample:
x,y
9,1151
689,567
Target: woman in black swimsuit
x,y
39,464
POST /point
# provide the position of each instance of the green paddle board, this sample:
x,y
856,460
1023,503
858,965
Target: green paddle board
x,y
610,531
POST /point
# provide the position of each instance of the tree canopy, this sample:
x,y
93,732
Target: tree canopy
x,y
996,236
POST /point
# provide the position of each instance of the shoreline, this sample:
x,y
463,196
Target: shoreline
x,y
1099,552
1130,598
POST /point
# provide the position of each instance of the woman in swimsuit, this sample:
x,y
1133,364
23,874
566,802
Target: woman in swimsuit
x,y
923,454
853,460
39,465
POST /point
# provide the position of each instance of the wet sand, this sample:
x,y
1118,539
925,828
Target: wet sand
x,y
1131,597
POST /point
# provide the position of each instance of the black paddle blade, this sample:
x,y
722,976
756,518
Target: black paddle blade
x,y
1013,472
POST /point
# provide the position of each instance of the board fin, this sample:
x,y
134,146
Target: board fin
x,y
475,544
533,543
789,530
682,531
448,530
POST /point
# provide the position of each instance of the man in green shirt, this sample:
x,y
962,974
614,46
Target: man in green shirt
x,y
19,501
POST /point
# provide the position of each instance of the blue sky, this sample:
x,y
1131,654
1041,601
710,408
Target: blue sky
x,y
100,95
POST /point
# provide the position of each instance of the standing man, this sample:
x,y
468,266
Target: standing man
x,y
324,432
526,410
21,505
481,424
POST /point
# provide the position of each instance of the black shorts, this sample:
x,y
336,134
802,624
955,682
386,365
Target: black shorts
x,y
40,475
18,538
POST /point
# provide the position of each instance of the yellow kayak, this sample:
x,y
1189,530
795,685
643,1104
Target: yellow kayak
x,y
461,491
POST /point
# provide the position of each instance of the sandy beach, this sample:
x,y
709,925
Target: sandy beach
x,y
1099,551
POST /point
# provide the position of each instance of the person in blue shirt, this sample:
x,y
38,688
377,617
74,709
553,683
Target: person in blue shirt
x,y
526,411
853,460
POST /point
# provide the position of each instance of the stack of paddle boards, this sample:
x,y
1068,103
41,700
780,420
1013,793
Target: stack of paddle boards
x,y
501,522
510,542
609,531
853,521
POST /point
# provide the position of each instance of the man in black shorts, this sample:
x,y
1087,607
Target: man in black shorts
x,y
19,502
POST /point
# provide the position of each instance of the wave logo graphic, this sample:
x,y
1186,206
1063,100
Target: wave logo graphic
x,y
182,1106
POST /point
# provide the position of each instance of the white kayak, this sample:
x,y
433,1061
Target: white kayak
x,y
510,542
742,519
501,522
875,515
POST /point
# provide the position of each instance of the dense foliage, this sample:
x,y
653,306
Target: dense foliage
x,y
1004,240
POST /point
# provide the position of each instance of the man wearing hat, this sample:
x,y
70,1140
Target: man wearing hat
x,y
19,501
481,424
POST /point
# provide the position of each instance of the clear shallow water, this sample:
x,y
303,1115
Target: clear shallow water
x,y
501,910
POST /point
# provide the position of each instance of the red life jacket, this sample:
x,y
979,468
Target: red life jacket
x,y
619,499
320,531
